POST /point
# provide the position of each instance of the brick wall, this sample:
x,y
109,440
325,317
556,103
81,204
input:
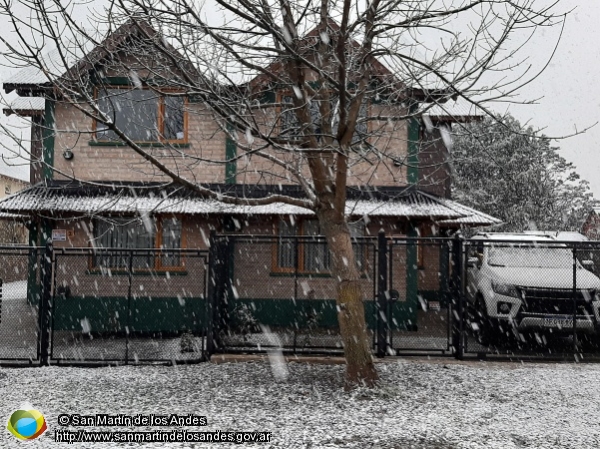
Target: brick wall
x,y
202,161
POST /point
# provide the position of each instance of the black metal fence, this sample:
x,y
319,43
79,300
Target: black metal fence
x,y
531,298
442,296
129,305
86,305
416,298
20,294
279,292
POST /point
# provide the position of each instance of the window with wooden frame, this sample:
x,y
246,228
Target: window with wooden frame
x,y
144,115
163,232
289,126
309,253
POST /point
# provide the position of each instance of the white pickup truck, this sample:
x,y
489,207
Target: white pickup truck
x,y
520,283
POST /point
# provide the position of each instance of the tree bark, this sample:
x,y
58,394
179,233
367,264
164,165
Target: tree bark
x,y
360,369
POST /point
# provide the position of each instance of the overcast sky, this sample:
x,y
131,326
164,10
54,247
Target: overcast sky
x,y
568,92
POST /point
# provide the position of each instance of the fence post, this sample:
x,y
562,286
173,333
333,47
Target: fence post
x,y
45,305
457,296
214,283
574,294
382,283
217,287
129,287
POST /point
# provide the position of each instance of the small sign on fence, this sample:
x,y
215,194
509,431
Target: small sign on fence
x,y
59,235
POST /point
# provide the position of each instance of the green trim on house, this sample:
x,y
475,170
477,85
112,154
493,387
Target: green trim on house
x,y
148,314
268,97
48,140
413,137
298,314
230,154
126,81
33,283
99,143
303,314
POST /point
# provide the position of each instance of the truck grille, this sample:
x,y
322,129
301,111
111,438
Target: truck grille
x,y
553,301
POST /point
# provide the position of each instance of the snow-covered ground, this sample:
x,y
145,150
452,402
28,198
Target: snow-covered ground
x,y
420,404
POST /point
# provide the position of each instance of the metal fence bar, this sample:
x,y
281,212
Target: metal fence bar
x,y
128,323
574,294
457,296
46,305
382,282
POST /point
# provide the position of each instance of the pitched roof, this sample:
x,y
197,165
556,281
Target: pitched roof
x,y
31,77
471,217
458,110
56,198
26,106
76,58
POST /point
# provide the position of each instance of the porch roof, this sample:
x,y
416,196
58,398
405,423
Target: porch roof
x,y
57,198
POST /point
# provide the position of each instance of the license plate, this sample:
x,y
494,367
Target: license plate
x,y
558,322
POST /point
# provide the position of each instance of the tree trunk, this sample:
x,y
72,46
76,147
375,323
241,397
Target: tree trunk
x,y
360,369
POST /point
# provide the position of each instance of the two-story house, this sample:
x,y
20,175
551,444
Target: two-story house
x,y
89,184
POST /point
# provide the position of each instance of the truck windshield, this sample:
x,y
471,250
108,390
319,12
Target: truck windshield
x,y
532,257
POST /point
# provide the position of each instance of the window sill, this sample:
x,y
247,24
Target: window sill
x,y
301,274
290,274
99,143
161,272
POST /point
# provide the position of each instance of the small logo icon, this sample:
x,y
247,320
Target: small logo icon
x,y
26,424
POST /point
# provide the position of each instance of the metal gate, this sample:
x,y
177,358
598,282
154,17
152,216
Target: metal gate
x,y
128,306
417,298
20,297
278,292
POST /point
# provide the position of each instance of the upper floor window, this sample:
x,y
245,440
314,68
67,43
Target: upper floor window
x,y
7,189
143,115
291,128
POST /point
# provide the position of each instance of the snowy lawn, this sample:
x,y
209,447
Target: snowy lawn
x,y
420,404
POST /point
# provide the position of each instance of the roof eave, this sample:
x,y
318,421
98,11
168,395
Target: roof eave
x,y
22,112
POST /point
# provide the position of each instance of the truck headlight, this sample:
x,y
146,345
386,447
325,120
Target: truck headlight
x,y
505,289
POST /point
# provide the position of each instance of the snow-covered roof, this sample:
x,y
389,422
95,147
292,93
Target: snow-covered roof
x,y
471,217
26,105
33,76
9,216
61,197
453,109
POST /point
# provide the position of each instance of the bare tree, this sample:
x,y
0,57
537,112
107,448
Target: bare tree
x,y
316,93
